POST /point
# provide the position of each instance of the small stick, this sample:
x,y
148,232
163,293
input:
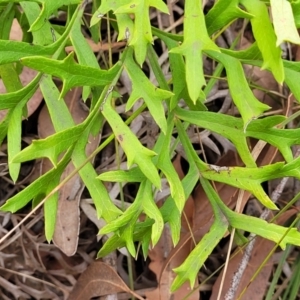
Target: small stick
x,y
106,96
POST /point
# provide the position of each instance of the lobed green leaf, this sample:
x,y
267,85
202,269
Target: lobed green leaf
x,y
48,8
132,175
249,107
71,73
227,126
165,164
104,206
263,129
222,13
142,33
195,41
279,234
50,147
37,188
11,51
125,23
291,70
50,208
251,56
190,268
45,35
231,175
135,151
296,12
178,74
265,37
84,53
143,88
10,100
283,20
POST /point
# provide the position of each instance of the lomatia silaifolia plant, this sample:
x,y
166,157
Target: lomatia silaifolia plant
x,y
174,103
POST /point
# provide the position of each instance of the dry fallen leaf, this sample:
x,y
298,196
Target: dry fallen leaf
x,y
97,280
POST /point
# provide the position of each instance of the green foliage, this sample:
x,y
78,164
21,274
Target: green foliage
x,y
266,39
71,73
146,166
194,42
